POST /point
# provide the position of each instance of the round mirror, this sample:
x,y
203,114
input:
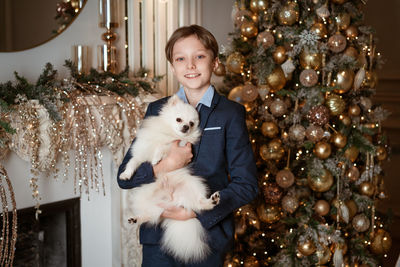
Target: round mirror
x,y
25,24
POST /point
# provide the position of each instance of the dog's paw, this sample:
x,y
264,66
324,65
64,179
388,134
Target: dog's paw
x,y
125,175
132,220
215,198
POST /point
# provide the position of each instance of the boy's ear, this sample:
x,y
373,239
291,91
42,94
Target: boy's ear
x,y
216,63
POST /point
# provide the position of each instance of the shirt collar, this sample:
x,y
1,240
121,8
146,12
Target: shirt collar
x,y
206,99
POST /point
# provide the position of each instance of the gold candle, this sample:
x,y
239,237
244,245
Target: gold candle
x,y
108,13
81,58
107,58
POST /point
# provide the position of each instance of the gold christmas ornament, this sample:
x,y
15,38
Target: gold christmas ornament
x,y
322,207
309,60
345,119
314,133
240,226
353,173
337,43
285,178
323,255
343,21
297,132
381,153
290,203
272,151
360,223
249,92
279,55
354,110
258,5
339,2
272,193
367,189
220,70
322,182
371,79
289,14
268,213
249,29
381,242
318,115
322,150
335,104
352,32
251,261
241,17
351,52
344,81
308,77
319,29
276,79
265,39
352,207
236,94
351,153
235,62
269,129
339,140
306,248
278,107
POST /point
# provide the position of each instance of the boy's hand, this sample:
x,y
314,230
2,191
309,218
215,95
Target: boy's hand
x,y
176,213
178,157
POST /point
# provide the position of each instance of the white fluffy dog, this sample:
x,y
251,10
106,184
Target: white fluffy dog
x,y
184,240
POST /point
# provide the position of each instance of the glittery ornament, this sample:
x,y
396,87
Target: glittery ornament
x,y
339,140
289,14
342,21
337,43
269,129
235,62
335,104
278,107
285,178
322,150
279,55
276,79
353,173
288,67
322,207
310,60
367,189
343,80
318,115
258,5
308,77
272,193
249,29
241,17
306,248
381,242
314,133
268,213
290,203
360,223
236,94
319,29
321,183
249,92
297,132
265,39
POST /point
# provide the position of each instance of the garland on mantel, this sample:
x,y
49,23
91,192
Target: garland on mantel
x,y
41,121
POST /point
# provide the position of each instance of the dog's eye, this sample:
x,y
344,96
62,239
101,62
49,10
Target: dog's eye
x,y
191,123
178,119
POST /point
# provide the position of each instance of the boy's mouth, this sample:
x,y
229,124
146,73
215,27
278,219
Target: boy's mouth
x,y
195,75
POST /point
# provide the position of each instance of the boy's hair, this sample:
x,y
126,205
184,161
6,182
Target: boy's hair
x,y
205,37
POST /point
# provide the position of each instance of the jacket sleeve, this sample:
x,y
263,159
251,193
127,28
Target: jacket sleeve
x,y
143,175
243,187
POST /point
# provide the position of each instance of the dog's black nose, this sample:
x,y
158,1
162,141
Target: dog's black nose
x,y
185,128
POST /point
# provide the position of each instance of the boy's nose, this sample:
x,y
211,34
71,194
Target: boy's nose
x,y
191,64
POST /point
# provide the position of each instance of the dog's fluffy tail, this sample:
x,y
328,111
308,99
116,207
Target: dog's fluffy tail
x,y
185,240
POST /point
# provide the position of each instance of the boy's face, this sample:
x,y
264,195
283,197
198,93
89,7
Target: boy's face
x,y
192,63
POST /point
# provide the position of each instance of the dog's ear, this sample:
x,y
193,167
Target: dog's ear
x,y
173,100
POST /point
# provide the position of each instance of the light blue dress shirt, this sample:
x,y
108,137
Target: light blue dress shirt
x,y
206,99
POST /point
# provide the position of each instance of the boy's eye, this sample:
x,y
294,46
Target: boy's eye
x,y
191,123
178,119
200,56
179,59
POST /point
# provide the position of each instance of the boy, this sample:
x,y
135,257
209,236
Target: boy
x,y
224,150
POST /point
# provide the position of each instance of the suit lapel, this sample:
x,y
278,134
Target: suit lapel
x,y
204,114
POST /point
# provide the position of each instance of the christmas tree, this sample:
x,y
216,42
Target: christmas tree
x,y
306,71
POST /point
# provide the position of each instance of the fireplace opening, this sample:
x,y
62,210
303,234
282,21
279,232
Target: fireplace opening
x,y
52,240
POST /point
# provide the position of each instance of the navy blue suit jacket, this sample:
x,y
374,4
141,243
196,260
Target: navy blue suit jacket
x,y
223,157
